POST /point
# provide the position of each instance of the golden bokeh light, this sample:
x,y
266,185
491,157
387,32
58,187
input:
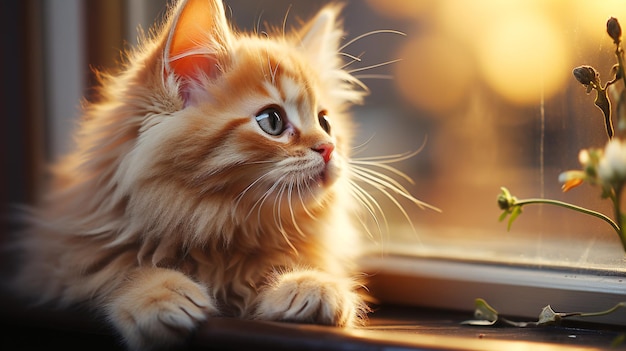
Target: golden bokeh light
x,y
402,8
524,58
589,17
434,74
519,47
470,20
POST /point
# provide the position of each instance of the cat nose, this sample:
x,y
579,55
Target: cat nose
x,y
325,150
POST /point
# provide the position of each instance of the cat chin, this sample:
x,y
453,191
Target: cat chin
x,y
329,174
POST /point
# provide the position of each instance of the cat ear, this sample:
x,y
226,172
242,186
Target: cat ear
x,y
198,35
321,36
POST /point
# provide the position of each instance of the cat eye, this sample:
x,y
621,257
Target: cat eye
x,y
271,120
324,121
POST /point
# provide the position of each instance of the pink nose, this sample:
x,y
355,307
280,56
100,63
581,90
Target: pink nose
x,y
326,150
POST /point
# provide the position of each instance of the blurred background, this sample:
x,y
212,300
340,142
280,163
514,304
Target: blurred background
x,y
485,85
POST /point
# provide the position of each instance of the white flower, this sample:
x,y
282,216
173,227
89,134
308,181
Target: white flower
x,y
612,166
589,159
583,157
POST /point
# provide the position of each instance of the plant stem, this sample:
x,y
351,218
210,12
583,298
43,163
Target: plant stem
x,y
601,313
620,61
618,213
605,218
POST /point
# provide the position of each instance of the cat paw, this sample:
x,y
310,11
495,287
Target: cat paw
x,y
159,308
311,297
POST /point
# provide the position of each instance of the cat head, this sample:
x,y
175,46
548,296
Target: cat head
x,y
216,126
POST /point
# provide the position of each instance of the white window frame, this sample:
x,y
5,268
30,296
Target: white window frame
x,y
514,290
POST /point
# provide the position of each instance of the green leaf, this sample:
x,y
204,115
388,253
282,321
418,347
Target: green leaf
x,y
483,311
485,315
548,316
503,216
517,210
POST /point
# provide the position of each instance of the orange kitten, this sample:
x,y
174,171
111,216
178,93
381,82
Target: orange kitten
x,y
212,179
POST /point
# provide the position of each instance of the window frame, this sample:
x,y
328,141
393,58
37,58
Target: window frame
x,y
513,290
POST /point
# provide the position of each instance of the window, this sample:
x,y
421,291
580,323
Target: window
x,y
486,88
490,86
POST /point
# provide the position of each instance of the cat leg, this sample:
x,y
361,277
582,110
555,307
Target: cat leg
x,y
310,296
158,308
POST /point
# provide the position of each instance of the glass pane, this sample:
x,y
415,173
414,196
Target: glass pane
x,y
486,87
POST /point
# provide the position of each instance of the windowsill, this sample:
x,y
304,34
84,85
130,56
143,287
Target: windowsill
x,y
513,289
422,300
389,327
399,328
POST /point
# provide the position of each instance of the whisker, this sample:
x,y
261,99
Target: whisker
x,y
378,184
373,76
399,173
286,237
276,207
257,28
375,175
386,158
350,56
383,185
292,212
272,72
285,20
260,203
308,183
278,218
395,157
361,147
244,191
230,11
364,35
365,226
360,84
354,58
383,161
370,204
262,199
383,182
374,66
301,198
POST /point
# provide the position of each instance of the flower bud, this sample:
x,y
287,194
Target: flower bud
x,y
586,75
503,202
614,29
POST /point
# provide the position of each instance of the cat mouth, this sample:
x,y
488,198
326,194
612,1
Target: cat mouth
x,y
316,178
325,177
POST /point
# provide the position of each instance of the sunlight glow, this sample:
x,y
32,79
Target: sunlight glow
x,y
517,48
402,8
524,58
431,77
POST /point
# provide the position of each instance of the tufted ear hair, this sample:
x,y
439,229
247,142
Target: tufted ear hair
x,y
321,36
199,34
320,40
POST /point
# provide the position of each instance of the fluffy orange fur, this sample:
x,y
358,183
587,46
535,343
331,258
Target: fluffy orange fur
x,y
176,205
